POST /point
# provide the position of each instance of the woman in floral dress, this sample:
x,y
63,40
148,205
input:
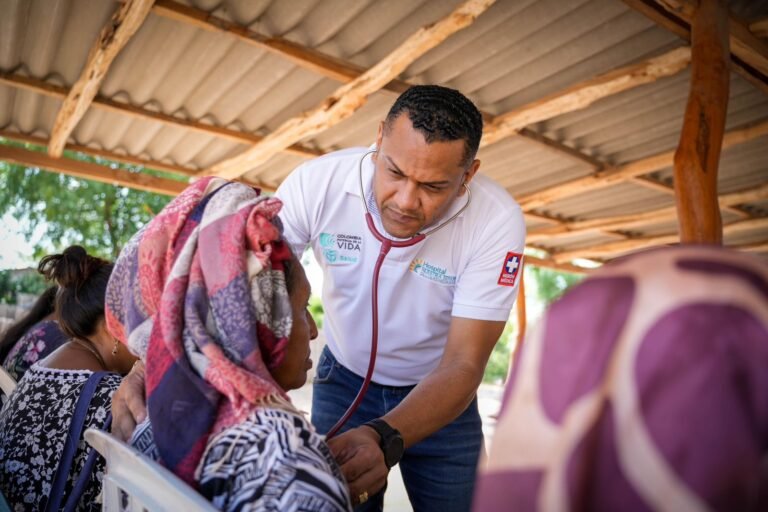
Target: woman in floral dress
x,y
34,424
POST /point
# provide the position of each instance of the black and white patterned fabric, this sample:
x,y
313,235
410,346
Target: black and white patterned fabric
x,y
273,461
33,428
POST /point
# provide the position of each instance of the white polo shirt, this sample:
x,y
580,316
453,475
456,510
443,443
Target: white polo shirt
x,y
470,268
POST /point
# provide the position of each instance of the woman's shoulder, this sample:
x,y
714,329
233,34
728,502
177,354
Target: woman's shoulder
x,y
66,383
284,459
281,423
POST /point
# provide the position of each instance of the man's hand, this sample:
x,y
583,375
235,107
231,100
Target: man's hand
x,y
362,462
128,403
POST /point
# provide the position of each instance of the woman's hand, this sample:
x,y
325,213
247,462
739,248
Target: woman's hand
x,y
129,407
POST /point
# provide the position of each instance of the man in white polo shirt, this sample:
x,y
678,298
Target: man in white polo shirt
x,y
443,302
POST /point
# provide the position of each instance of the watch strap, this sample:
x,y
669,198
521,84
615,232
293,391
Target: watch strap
x,y
389,438
384,429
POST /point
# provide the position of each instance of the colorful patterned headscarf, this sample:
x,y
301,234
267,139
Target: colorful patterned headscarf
x,y
199,294
644,388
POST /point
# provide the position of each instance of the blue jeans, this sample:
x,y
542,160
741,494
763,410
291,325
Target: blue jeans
x,y
438,472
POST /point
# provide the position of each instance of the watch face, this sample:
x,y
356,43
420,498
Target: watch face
x,y
394,450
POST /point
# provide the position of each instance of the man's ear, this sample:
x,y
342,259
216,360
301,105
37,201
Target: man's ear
x,y
379,140
468,175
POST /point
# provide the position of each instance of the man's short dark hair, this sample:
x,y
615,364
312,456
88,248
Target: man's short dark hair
x,y
441,114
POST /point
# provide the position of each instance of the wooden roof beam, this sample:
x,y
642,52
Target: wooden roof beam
x,y
583,94
311,59
753,247
307,58
109,155
56,91
614,249
127,159
749,55
551,264
346,100
628,171
658,186
759,28
637,220
87,170
113,37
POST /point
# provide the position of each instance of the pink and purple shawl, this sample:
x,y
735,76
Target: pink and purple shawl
x,y
643,388
199,294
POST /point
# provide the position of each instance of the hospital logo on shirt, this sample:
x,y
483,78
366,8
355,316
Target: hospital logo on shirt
x,y
513,263
432,272
340,248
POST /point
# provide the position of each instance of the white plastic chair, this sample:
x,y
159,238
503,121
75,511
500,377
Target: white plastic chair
x,y
7,383
133,482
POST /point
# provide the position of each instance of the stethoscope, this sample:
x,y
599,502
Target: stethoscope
x,y
386,245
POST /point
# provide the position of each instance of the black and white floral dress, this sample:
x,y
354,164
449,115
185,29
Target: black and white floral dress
x,y
273,461
33,428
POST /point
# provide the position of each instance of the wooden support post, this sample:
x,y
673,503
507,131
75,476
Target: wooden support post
x,y
521,315
698,154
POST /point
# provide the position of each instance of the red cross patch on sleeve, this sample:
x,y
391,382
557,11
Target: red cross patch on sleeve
x,y
513,264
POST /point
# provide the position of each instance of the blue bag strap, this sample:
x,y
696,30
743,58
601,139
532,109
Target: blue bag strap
x,y
85,474
56,497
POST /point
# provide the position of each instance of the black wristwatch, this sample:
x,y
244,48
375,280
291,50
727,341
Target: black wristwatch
x,y
391,441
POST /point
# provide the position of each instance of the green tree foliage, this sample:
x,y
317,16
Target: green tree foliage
x,y
316,310
98,216
498,363
28,282
551,284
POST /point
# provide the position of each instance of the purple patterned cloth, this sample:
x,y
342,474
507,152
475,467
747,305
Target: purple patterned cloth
x,y
643,388
37,343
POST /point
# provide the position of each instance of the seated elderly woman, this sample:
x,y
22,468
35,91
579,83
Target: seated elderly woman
x,y
215,304
35,423
643,388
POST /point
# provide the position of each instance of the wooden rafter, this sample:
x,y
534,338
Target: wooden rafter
x,y
113,37
313,60
583,94
753,247
628,171
307,58
59,92
613,249
749,54
109,155
551,264
87,170
350,97
658,186
759,28
638,220
561,149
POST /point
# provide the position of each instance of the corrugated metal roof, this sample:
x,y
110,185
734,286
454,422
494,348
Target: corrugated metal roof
x,y
515,53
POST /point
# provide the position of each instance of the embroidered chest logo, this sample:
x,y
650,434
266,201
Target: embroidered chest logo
x,y
340,248
513,262
432,272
